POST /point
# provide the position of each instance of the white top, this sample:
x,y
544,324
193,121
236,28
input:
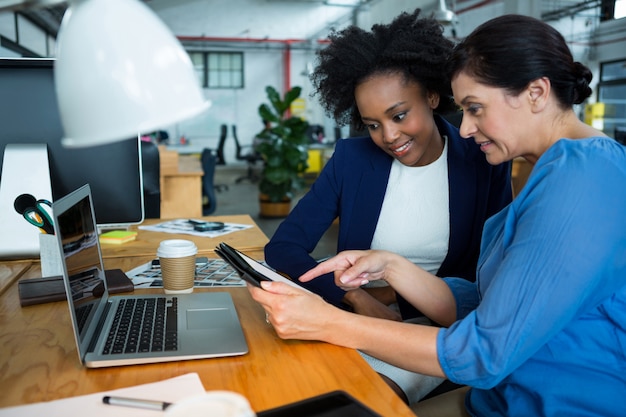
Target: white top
x,y
415,218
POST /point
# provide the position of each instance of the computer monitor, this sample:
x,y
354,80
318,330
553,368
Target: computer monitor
x,y
29,114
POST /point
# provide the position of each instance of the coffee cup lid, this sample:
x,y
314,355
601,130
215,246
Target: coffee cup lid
x,y
176,248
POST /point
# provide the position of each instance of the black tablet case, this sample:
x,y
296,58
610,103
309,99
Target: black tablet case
x,y
332,404
229,255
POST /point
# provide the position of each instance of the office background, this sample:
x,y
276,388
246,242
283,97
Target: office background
x,y
240,46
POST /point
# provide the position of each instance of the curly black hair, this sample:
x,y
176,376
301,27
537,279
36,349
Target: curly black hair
x,y
409,45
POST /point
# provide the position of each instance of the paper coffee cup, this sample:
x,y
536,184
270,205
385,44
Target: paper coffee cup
x,y
213,404
178,265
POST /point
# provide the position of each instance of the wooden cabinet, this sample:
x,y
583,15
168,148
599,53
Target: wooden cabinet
x,y
181,185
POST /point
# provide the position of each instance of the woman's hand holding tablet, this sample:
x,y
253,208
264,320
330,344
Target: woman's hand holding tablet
x,y
249,269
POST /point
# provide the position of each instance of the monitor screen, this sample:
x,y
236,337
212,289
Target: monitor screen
x,y
29,114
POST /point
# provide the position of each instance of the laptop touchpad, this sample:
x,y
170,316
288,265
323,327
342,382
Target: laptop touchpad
x,y
209,318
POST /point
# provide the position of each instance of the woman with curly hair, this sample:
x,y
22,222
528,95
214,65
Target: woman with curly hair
x,y
413,186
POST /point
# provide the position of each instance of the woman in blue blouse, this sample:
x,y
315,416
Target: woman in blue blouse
x,y
541,332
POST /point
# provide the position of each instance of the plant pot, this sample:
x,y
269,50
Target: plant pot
x,y
274,210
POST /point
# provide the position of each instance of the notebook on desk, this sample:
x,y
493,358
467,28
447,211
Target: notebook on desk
x,y
117,330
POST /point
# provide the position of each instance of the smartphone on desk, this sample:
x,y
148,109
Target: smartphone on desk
x,y
250,270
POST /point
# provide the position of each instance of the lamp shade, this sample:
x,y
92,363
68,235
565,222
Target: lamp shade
x,y
120,72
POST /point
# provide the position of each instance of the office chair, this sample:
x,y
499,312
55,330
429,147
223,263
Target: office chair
x,y
209,201
250,155
220,145
219,155
315,133
150,170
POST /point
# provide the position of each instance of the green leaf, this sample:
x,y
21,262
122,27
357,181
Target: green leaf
x,y
291,95
273,96
267,114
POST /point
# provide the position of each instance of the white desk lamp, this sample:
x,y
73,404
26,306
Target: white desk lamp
x,y
120,72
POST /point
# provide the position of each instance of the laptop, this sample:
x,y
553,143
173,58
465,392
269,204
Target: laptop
x,y
117,330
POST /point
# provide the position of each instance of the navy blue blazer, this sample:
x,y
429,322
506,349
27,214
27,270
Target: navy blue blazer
x,y
352,187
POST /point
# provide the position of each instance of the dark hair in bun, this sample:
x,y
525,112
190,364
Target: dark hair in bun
x,y
510,51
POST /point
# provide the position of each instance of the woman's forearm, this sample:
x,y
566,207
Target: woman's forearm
x,y
406,345
425,291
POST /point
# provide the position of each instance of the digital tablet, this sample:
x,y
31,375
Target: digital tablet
x,y
332,404
249,269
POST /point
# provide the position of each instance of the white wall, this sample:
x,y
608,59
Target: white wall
x,y
282,21
235,106
240,106
274,21
253,18
287,20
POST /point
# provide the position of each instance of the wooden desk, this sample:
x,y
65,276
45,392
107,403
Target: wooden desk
x,y
146,244
39,361
181,185
11,271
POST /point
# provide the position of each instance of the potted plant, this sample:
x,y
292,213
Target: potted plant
x,y
283,145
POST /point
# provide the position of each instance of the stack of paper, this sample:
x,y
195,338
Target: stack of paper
x,y
170,390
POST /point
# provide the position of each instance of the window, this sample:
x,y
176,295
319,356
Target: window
x,y
225,70
612,92
611,9
7,26
31,36
23,37
620,9
218,69
197,59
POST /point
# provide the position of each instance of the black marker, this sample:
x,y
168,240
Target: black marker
x,y
136,403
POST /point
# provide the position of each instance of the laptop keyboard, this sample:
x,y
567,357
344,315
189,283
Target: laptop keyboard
x,y
82,313
144,325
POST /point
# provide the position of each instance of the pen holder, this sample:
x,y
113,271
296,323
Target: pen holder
x,y
50,255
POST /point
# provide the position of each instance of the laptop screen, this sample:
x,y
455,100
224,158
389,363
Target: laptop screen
x,y
78,235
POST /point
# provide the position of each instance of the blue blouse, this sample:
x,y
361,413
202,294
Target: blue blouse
x,y
542,332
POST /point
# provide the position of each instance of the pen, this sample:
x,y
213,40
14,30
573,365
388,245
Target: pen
x,y
136,403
